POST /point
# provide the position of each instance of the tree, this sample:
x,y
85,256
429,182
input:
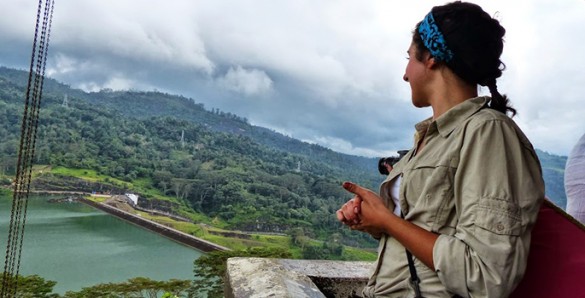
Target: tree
x,y
33,286
134,287
7,165
298,237
182,187
312,252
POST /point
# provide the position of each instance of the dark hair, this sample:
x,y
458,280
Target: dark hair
x,y
476,40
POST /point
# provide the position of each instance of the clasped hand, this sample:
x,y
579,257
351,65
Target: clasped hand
x,y
364,212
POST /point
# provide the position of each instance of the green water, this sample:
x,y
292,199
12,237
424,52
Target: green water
x,y
78,246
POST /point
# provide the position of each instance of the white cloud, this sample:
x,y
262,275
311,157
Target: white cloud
x,y
132,31
326,71
249,82
343,146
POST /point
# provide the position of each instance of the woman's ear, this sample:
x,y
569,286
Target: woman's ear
x,y
431,62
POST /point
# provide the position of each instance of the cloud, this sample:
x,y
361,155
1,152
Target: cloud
x,y
248,82
544,73
329,72
138,33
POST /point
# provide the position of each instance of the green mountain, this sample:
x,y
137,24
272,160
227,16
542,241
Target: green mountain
x,y
194,158
211,162
143,105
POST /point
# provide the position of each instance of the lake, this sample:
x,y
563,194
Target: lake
x,y
78,246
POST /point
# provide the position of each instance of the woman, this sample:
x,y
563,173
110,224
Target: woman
x,y
469,191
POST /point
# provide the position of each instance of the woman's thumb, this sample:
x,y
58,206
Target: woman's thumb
x,y
353,188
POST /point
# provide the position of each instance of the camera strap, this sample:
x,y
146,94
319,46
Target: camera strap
x,y
414,280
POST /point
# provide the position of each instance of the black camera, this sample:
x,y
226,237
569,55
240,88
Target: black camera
x,y
392,160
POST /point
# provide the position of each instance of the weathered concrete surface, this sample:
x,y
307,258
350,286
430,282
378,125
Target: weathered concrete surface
x,y
263,277
334,278
260,277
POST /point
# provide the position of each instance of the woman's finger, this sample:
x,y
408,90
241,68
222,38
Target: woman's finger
x,y
357,205
339,215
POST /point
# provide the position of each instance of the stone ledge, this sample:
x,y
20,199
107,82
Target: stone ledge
x,y
264,277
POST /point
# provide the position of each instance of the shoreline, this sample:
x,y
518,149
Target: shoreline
x,y
173,234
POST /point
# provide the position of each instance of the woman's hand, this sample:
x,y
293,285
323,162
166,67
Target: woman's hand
x,y
376,218
349,212
369,211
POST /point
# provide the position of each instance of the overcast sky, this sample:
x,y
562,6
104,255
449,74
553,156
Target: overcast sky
x,y
326,72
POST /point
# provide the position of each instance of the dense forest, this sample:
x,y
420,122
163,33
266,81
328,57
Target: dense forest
x,y
246,184
205,161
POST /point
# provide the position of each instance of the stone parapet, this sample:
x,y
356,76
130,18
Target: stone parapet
x,y
264,277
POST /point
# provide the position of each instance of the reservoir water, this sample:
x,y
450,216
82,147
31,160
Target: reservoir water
x,y
78,246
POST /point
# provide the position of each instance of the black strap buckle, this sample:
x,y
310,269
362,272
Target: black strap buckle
x,y
414,280
415,285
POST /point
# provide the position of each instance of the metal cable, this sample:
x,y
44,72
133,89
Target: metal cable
x,y
8,262
47,20
26,150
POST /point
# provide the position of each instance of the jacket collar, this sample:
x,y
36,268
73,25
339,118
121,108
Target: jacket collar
x,y
447,122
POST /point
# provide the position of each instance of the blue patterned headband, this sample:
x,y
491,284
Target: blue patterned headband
x,y
434,39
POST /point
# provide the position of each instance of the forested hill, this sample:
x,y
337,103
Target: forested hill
x,y
150,106
233,179
142,105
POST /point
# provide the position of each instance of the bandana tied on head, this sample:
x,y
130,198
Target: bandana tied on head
x,y
433,39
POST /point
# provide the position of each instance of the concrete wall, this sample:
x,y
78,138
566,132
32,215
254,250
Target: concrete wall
x,y
173,234
263,277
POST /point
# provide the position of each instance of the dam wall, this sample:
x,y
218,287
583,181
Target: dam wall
x,y
181,237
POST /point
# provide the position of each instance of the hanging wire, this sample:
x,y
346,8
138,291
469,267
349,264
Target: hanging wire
x,y
7,279
26,150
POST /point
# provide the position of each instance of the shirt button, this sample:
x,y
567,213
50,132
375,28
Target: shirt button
x,y
428,196
500,226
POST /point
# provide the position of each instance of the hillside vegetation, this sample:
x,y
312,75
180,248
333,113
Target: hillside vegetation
x,y
206,163
226,179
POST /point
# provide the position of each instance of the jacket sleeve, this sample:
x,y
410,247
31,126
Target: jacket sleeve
x,y
498,189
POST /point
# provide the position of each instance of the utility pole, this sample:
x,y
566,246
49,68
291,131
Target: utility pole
x,y
183,138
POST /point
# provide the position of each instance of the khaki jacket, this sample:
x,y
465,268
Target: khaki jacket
x,y
478,184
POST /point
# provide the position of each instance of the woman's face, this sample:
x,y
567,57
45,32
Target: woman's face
x,y
416,75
